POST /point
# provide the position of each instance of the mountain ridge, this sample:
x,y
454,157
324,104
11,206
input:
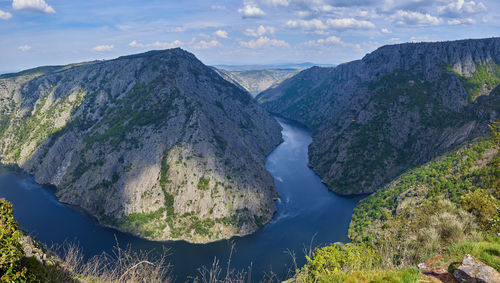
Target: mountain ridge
x,y
156,144
398,107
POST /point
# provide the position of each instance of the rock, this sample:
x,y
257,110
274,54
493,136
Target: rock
x,y
422,266
256,81
397,108
473,270
437,273
156,144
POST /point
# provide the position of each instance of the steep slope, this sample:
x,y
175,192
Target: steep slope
x,y
256,81
398,107
156,144
431,216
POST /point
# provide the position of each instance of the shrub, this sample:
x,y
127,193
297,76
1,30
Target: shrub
x,y
203,183
11,251
339,259
481,204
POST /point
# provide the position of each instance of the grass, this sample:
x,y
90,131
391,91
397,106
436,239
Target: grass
x,y
487,251
406,275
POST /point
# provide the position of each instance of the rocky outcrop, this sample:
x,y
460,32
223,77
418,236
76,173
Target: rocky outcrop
x,y
474,271
256,81
397,108
156,144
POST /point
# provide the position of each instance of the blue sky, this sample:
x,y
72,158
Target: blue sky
x,y
50,32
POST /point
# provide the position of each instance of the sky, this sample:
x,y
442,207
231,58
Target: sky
x,y
56,32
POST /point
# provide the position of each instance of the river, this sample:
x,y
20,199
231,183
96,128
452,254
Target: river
x,y
307,212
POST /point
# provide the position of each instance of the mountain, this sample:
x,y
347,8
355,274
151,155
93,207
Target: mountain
x,y
256,81
156,144
431,217
396,108
295,66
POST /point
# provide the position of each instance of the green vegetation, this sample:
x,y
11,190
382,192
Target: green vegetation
x,y
487,251
449,206
147,224
11,251
352,263
203,183
130,112
336,260
260,220
451,177
372,146
14,265
201,227
486,76
40,125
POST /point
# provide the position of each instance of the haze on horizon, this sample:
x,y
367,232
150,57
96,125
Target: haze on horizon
x,y
51,32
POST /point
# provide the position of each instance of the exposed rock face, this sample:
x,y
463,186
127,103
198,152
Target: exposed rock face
x,y
398,107
256,81
474,271
156,144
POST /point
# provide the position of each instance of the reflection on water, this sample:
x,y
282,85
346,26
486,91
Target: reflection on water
x,y
306,210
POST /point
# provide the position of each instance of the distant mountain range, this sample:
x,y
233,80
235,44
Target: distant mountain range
x,y
294,66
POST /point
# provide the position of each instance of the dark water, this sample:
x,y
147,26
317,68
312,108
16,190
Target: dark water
x,y
306,210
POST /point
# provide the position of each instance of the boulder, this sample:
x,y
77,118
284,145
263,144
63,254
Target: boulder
x,y
473,270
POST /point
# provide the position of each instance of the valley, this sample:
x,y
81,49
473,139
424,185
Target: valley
x,y
380,165
305,204
397,108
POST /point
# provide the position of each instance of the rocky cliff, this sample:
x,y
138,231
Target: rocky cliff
x,y
156,144
398,107
256,81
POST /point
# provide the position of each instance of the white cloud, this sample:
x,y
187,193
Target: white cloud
x,y
386,31
24,48
251,11
349,23
466,21
176,29
405,18
5,15
264,42
260,31
394,40
307,24
332,41
158,44
419,38
276,3
221,34
34,5
459,8
102,48
206,44
344,23
329,40
218,7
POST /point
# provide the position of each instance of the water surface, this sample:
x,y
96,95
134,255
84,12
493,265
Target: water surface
x,y
306,211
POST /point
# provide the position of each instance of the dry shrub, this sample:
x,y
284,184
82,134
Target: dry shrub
x,y
123,265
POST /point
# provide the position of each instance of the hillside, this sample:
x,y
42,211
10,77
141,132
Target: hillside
x,y
436,213
156,144
256,81
395,109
